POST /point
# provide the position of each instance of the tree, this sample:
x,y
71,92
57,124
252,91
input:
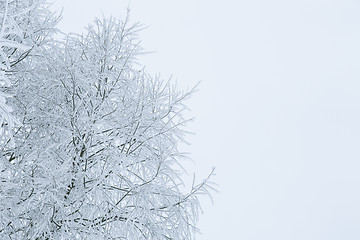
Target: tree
x,y
96,155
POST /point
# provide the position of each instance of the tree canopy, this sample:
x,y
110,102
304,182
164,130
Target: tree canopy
x,y
89,140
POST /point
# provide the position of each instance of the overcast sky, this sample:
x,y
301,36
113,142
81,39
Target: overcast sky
x,y
277,113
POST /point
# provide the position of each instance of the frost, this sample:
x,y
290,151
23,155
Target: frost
x,y
96,154
19,33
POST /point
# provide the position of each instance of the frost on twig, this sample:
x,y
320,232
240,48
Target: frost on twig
x,y
23,26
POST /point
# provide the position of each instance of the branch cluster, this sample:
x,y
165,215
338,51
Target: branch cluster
x,y
96,154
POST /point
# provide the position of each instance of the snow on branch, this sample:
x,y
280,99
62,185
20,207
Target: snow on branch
x,y
96,155
22,26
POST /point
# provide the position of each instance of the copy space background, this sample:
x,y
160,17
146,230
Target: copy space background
x,y
277,113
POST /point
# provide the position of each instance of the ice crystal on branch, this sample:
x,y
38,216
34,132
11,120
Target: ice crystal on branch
x,y
24,25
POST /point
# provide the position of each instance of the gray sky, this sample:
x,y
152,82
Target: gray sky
x,y
277,113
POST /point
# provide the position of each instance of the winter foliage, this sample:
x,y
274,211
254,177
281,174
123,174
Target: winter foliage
x,y
93,151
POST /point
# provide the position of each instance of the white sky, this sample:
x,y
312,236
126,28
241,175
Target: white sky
x,y
277,113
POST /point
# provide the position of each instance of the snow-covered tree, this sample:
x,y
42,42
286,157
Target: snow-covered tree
x,y
96,156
